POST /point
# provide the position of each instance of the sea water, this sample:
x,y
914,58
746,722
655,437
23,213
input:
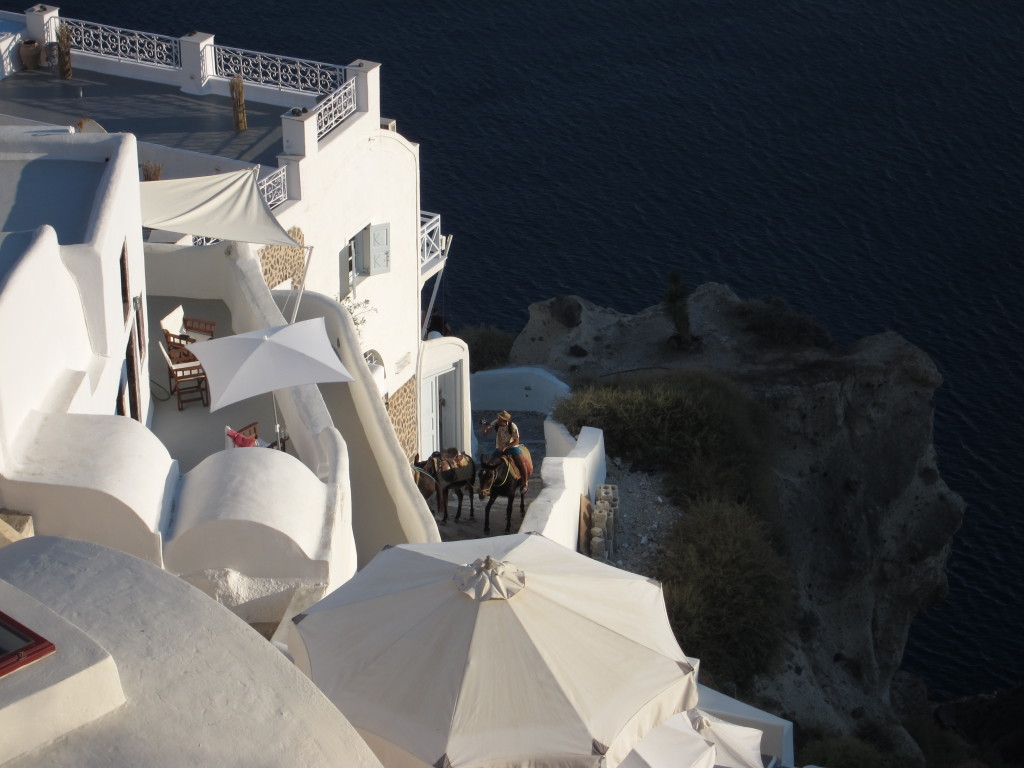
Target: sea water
x,y
861,159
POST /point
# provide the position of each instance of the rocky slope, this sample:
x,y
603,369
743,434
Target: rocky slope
x,y
868,520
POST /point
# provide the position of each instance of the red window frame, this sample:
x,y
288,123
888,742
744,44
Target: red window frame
x,y
36,646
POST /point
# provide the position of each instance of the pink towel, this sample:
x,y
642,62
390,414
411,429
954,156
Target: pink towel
x,y
240,440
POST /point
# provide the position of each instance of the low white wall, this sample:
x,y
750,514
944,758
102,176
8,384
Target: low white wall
x,y
556,510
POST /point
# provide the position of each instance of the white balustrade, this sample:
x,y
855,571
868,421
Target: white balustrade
x,y
278,71
124,44
335,108
431,239
274,187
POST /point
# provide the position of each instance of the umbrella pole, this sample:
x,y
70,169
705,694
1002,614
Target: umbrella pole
x,y
277,424
302,285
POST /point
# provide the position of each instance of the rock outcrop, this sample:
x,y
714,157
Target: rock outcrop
x,y
868,521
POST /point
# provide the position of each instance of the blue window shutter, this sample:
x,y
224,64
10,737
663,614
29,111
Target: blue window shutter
x,y
380,248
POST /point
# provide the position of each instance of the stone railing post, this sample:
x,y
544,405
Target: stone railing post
x,y
197,62
37,21
298,132
367,74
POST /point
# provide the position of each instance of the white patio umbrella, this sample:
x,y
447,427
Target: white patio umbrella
x,y
254,363
673,744
738,746
505,651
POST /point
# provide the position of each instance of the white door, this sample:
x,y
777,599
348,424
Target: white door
x,y
430,422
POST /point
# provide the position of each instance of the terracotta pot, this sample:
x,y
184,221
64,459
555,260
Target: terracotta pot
x,y
29,53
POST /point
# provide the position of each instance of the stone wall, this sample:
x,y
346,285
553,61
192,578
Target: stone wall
x,y
402,407
284,262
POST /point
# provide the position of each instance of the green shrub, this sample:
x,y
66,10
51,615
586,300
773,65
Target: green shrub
x,y
727,590
489,347
775,324
710,437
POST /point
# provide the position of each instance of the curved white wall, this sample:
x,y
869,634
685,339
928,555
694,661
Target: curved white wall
x,y
386,506
260,512
40,308
103,479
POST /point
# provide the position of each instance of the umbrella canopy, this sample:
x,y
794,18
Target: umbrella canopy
x,y
737,745
249,364
511,650
673,744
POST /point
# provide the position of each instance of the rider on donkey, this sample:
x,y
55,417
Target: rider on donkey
x,y
506,443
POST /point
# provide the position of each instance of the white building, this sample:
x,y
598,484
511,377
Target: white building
x,y
263,531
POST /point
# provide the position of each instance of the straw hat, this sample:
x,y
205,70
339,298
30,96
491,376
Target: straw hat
x,y
505,416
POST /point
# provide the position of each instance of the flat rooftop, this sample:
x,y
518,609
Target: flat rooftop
x,y
68,188
155,113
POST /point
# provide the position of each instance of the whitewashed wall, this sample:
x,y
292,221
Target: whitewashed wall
x,y
361,175
65,304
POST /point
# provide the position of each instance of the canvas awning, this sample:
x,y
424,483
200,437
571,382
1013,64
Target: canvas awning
x,y
227,206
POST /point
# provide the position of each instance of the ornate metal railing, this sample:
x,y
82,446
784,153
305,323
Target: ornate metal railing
x,y
278,71
126,44
335,108
274,187
431,239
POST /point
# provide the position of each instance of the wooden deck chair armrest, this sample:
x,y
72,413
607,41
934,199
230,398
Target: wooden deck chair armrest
x,y
176,339
189,372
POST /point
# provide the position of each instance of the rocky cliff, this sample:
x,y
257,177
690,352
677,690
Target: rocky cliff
x,y
868,521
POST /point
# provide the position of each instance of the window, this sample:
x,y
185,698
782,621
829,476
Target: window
x,y
19,645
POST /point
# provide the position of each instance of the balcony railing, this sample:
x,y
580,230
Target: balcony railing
x,y
431,239
274,187
278,71
335,108
125,44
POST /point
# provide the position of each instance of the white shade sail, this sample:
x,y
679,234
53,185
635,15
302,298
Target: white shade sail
x,y
512,650
227,206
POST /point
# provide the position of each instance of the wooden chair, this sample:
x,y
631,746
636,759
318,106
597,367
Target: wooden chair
x,y
186,377
188,328
250,430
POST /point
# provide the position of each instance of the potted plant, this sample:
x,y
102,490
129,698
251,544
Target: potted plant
x,y
29,53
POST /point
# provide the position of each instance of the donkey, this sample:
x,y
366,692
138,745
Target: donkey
x,y
499,476
452,470
425,482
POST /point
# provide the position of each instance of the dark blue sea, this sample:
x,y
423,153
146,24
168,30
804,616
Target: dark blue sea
x,y
862,159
